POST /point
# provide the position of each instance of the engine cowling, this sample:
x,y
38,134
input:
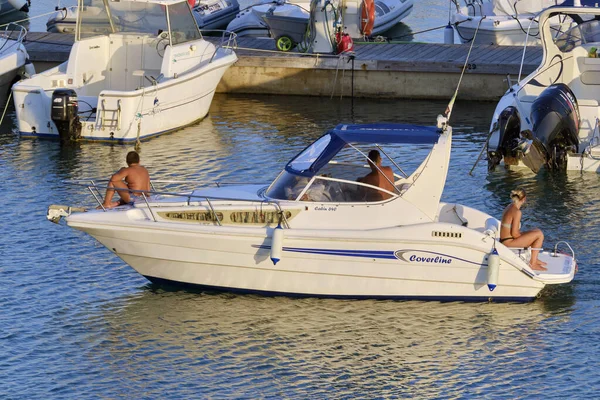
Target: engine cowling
x,y
555,119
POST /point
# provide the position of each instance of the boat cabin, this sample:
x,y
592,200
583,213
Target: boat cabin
x,y
337,167
130,44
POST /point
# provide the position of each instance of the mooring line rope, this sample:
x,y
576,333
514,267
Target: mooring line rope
x,y
453,99
27,19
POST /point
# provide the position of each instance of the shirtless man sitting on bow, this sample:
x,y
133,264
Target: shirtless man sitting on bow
x,y
133,177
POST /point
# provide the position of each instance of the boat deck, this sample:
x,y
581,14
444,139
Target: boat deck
x,y
406,70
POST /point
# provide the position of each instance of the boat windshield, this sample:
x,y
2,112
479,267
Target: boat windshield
x,y
336,166
106,16
331,170
582,33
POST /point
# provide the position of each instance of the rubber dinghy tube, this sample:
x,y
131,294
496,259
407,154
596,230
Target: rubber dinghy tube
x,y
277,244
493,270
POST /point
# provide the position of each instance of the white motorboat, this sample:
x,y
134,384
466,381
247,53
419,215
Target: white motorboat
x,y
152,73
500,22
551,117
250,22
209,15
14,60
317,231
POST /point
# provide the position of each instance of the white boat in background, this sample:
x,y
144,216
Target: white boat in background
x,y
14,60
152,73
250,22
500,22
551,117
209,15
317,231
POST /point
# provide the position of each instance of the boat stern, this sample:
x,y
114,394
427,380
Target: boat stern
x,y
560,268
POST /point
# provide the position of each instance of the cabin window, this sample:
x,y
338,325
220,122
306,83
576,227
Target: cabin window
x,y
585,32
306,159
183,25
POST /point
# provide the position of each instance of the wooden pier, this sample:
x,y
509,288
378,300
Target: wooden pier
x,y
385,70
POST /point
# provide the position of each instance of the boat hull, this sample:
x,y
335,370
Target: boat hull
x,y
144,113
236,259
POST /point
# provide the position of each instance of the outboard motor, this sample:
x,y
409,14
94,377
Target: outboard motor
x,y
64,114
555,118
509,125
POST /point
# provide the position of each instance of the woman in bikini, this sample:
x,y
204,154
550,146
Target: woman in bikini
x,y
511,235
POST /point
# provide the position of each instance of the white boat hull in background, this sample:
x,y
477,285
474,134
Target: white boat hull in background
x,y
249,22
501,22
123,115
14,60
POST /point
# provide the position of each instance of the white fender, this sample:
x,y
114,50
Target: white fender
x,y
20,5
448,34
276,244
493,270
29,69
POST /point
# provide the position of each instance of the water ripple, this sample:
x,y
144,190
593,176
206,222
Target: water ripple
x,y
77,322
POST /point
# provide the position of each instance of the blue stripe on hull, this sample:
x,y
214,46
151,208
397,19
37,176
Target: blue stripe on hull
x,y
196,287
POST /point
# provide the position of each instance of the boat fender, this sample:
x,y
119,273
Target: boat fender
x,y
367,17
29,69
276,244
448,34
19,5
493,270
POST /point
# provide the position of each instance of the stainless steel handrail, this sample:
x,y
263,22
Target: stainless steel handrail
x,y
189,196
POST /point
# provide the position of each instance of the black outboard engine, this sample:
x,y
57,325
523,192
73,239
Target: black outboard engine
x,y
509,126
555,118
64,114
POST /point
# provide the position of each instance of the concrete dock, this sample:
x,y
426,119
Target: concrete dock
x,y
384,70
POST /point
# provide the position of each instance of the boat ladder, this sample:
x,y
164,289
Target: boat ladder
x,y
110,122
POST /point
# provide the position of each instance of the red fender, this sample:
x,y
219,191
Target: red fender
x,y
367,17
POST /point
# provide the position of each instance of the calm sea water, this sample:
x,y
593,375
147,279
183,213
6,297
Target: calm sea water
x,y
425,23
76,322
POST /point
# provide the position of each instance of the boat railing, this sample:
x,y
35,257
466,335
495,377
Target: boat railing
x,y
95,189
228,41
12,29
346,181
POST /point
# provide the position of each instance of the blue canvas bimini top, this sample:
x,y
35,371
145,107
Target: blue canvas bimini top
x,y
320,152
387,133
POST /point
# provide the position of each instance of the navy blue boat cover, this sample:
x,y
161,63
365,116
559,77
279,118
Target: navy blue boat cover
x,y
387,133
309,161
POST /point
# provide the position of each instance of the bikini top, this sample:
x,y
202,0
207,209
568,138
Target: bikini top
x,y
507,225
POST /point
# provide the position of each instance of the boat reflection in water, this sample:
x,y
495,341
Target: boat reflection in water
x,y
277,346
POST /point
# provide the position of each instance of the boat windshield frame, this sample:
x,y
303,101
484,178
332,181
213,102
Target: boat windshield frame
x,y
303,169
105,17
584,32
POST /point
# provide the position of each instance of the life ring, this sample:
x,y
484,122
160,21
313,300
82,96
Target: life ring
x,y
367,17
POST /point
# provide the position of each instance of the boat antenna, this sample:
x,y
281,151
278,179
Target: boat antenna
x,y
453,99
